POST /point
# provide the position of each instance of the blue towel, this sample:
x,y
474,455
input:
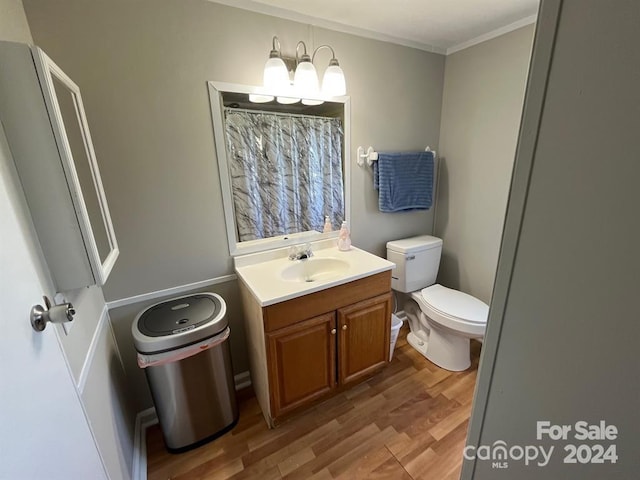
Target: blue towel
x,y
404,181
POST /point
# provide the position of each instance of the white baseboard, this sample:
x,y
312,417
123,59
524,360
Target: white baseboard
x,y
148,417
242,380
144,420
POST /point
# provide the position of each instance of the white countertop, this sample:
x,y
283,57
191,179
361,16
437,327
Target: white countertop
x,y
261,272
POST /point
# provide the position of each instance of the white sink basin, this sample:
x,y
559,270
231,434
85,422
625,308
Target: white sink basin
x,y
272,278
314,269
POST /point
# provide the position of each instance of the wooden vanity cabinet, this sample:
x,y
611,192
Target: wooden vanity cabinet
x,y
363,344
301,362
318,343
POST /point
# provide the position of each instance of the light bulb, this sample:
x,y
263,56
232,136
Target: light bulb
x,y
287,100
333,84
257,98
276,76
305,80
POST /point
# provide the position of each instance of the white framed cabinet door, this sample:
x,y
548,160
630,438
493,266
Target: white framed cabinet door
x,y
47,130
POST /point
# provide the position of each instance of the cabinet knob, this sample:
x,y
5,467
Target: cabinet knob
x,y
344,327
333,331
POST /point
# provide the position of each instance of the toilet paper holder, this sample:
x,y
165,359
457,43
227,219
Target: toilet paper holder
x,y
40,315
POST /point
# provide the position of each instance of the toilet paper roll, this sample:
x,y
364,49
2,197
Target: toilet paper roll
x,y
61,313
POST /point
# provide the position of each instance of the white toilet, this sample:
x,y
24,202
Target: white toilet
x,y
442,320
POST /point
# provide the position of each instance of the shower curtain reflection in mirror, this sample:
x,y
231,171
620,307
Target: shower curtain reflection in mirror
x,y
286,172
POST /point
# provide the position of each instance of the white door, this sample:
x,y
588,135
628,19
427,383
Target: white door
x,y
44,433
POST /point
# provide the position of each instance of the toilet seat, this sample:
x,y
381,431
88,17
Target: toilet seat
x,y
455,305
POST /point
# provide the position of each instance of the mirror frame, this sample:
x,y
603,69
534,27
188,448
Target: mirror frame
x,y
216,89
47,69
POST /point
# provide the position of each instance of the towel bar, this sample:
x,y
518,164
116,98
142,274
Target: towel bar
x,y
371,155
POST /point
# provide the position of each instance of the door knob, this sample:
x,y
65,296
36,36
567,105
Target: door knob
x,y
55,314
333,331
344,327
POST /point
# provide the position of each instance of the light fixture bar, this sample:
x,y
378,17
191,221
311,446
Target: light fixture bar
x,y
305,79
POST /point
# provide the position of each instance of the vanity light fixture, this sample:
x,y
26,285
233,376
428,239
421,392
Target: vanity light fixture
x,y
257,98
333,83
276,75
275,78
287,100
305,80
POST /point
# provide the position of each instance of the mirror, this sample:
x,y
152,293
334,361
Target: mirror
x,y
81,168
82,165
284,167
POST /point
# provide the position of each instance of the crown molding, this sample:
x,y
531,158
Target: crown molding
x,y
265,9
493,34
328,24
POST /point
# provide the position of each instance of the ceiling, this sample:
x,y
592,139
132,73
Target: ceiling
x,y
441,26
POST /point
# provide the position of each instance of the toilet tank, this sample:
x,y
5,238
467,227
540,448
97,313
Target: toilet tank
x,y
417,260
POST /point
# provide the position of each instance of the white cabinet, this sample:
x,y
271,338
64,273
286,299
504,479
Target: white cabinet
x,y
44,121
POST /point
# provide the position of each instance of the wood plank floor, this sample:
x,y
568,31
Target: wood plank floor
x,y
407,422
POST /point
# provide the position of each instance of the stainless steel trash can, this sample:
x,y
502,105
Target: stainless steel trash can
x,y
183,347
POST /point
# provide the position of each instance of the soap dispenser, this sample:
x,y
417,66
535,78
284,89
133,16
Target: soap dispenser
x,y
327,225
344,238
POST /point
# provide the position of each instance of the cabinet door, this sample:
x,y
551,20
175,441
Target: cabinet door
x,y
365,329
301,362
43,117
75,147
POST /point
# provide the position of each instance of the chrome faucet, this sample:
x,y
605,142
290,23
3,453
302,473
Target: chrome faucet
x,y
300,252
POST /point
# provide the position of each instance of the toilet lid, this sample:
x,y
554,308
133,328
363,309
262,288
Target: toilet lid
x,y
456,304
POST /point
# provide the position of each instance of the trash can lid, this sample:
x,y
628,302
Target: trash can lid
x,y
179,322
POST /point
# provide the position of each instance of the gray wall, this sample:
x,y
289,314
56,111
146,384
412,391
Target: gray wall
x,y
142,67
564,335
13,22
482,103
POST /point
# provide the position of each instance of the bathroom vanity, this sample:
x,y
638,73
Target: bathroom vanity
x,y
314,326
